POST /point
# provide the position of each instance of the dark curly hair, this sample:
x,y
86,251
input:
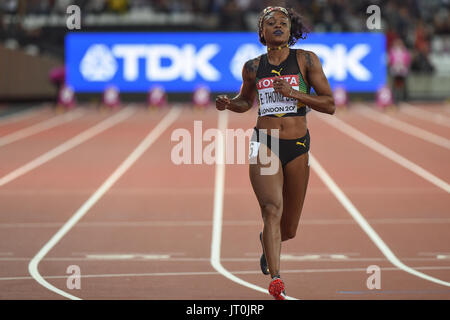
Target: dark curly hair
x,y
298,28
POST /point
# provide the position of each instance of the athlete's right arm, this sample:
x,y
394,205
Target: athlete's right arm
x,y
244,100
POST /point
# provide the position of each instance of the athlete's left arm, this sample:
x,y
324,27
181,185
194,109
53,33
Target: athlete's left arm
x,y
324,101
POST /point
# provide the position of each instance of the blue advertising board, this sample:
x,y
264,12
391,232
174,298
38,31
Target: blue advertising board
x,y
180,62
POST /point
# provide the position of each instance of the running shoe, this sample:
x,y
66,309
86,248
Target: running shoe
x,y
276,288
262,260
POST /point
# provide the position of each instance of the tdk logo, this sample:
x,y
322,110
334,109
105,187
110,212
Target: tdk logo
x,y
181,61
163,62
98,64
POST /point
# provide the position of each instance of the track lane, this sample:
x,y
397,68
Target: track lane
x,y
326,234
15,155
156,190
421,121
81,168
154,169
394,205
431,157
21,119
312,239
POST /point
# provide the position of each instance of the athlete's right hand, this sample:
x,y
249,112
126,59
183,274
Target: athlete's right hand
x,y
222,102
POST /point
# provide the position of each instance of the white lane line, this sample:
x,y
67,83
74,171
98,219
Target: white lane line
x,y
148,192
41,126
404,127
431,253
66,146
385,151
127,256
161,258
425,115
212,273
113,178
219,184
208,223
353,211
21,115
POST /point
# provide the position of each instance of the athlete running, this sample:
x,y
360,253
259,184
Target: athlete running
x,y
281,79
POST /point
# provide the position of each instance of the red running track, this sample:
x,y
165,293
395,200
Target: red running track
x,y
149,236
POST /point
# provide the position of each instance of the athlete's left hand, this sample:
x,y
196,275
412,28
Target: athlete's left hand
x,y
281,86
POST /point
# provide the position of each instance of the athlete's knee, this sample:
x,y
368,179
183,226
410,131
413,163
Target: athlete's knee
x,y
271,211
288,234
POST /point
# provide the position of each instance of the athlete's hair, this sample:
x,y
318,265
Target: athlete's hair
x,y
298,28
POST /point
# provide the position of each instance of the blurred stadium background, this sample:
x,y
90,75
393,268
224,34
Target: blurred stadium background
x,y
33,32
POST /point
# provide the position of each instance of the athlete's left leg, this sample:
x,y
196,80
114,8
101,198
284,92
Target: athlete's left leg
x,y
296,176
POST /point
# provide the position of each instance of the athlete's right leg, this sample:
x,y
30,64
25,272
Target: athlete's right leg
x,y
268,189
296,176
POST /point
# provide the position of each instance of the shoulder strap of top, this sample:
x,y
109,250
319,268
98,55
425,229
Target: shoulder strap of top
x,y
263,61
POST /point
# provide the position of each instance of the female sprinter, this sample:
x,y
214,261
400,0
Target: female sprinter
x,y
282,80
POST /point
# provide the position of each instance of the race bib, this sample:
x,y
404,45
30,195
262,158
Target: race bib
x,y
254,147
271,102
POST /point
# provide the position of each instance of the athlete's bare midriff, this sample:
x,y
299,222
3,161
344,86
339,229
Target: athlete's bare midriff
x,y
289,127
